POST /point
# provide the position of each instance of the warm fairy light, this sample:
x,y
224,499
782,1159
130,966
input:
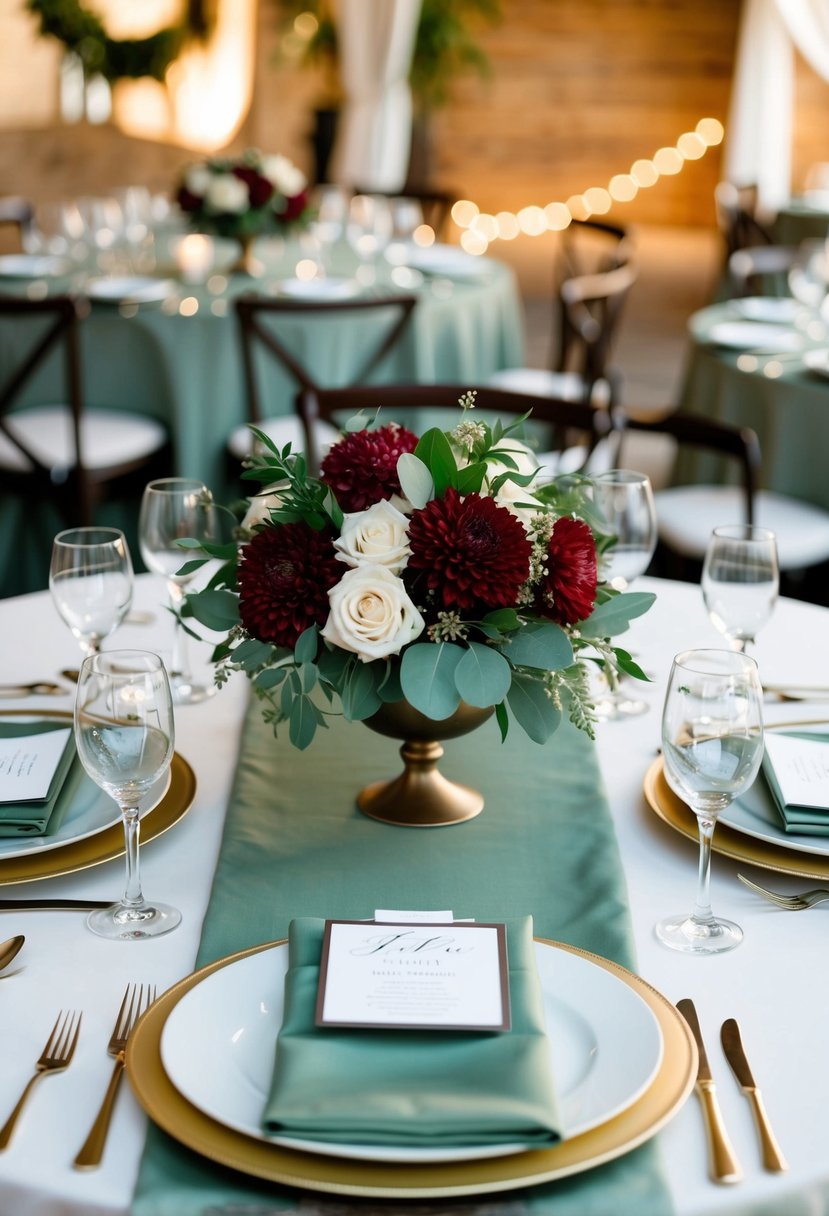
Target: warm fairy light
x,y
189,306
480,228
306,269
306,25
424,236
711,131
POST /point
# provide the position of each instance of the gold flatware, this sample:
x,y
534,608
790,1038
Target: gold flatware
x,y
10,950
55,1057
136,1001
789,903
732,1045
723,1163
38,688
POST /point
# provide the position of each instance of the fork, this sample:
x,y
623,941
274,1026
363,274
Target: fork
x,y
135,1002
55,1057
791,903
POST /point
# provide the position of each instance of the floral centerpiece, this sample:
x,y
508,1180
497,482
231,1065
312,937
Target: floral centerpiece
x,y
244,198
431,572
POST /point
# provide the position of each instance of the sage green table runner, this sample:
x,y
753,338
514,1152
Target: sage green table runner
x,y
295,845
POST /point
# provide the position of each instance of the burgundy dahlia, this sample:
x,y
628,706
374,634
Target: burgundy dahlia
x,y
293,207
361,468
284,577
259,188
568,590
475,553
188,201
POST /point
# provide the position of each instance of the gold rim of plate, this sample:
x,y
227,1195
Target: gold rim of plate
x,y
730,843
308,1171
108,843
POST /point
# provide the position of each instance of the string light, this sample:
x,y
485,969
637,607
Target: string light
x,y
479,229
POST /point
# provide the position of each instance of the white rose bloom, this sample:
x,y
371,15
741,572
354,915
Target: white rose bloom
x,y
197,180
510,492
371,613
260,505
376,536
283,175
227,193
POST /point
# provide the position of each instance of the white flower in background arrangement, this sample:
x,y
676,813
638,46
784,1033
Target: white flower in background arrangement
x,y
227,193
510,493
371,613
284,175
259,511
197,180
376,536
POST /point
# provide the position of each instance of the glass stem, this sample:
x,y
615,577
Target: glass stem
x,y
702,908
133,897
179,662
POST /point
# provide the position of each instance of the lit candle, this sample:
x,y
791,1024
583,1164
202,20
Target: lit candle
x,y
194,257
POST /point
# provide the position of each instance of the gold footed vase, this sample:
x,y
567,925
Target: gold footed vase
x,y
246,263
421,797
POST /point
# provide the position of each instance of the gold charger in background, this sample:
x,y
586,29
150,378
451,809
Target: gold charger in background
x,y
737,845
309,1171
108,843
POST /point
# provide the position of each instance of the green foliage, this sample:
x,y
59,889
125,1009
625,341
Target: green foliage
x,y
533,707
541,644
614,616
427,677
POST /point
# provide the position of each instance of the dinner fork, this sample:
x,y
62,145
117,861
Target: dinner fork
x,y
136,1001
55,1057
791,903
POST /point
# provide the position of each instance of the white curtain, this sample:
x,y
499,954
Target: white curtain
x,y
376,40
759,130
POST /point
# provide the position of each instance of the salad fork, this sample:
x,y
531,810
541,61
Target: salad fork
x,y
55,1057
791,903
136,1001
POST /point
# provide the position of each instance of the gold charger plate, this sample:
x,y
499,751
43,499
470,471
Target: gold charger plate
x,y
109,843
737,845
175,1115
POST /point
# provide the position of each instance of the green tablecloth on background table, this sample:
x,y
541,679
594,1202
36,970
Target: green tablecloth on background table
x,y
295,845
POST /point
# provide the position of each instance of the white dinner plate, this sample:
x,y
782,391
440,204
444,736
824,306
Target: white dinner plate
x,y
319,289
449,260
32,266
774,310
605,1043
741,335
817,361
135,288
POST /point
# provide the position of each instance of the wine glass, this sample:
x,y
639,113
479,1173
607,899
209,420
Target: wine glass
x,y
740,581
712,745
625,499
172,509
368,231
90,578
329,222
125,736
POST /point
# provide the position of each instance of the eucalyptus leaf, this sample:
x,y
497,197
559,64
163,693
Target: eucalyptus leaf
x,y
252,654
541,644
271,677
483,675
614,616
533,708
308,675
415,480
502,718
391,688
427,676
302,723
504,619
359,694
215,609
305,650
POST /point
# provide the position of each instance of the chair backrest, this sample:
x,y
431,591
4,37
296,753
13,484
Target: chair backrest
x,y
762,269
588,246
590,308
384,323
736,210
17,212
566,421
737,444
61,315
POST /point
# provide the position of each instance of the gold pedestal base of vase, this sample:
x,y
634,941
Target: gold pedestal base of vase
x,y
247,263
421,797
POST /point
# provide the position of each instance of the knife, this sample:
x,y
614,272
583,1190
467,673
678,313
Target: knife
x,y
732,1045
723,1162
54,905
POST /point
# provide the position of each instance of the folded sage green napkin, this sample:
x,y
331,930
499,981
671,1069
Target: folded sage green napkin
x,y
800,819
42,816
408,1087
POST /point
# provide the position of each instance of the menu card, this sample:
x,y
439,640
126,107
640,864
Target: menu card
x,y
31,765
797,770
414,976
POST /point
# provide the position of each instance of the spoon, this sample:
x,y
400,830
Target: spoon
x,y
9,949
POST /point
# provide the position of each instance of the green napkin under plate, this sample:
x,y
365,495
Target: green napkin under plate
x,y
799,818
41,816
408,1087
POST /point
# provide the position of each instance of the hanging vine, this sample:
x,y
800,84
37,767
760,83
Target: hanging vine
x,y
84,34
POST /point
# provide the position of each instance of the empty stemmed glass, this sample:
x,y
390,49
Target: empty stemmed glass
x,y
173,509
712,745
125,735
90,578
740,581
625,500
368,231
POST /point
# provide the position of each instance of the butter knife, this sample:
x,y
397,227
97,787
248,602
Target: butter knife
x,y
54,905
724,1166
732,1045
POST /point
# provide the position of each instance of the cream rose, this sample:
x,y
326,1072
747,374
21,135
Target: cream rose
x,y
377,536
284,175
510,492
259,511
227,193
197,180
371,613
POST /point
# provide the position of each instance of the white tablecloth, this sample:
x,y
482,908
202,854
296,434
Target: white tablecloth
x,y
776,984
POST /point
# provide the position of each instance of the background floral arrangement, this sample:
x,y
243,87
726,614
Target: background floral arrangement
x,y
245,197
431,569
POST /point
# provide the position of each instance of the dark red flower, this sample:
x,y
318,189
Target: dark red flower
x,y
284,577
475,553
568,590
291,208
259,188
188,201
362,468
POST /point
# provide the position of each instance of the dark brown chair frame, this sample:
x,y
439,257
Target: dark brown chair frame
x,y
591,306
750,268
